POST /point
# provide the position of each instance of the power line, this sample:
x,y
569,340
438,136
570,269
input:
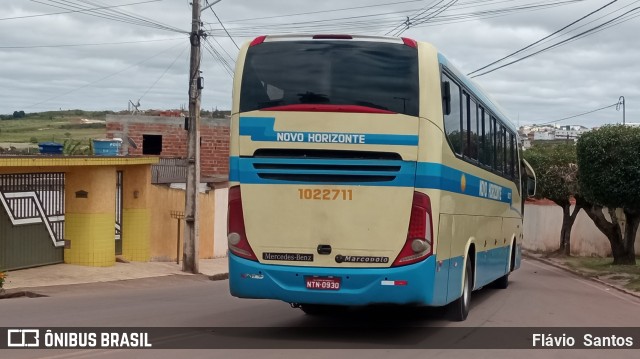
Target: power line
x,y
578,115
427,8
102,78
542,39
142,19
89,44
323,11
226,66
421,17
428,17
224,28
225,51
73,11
373,22
490,14
591,31
161,76
109,14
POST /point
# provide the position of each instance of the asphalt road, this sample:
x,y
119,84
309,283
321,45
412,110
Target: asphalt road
x,y
538,296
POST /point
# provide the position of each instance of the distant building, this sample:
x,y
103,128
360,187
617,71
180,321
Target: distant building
x,y
543,136
550,133
165,136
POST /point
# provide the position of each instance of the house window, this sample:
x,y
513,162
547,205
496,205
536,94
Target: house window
x,y
151,144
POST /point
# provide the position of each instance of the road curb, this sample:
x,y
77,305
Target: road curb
x,y
581,274
18,293
219,276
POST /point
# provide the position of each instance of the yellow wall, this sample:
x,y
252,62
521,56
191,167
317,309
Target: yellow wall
x,y
148,231
90,222
164,228
136,213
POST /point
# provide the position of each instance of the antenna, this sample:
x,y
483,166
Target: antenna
x,y
132,143
135,106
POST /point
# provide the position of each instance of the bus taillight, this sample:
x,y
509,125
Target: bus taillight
x,y
258,40
419,244
236,234
410,42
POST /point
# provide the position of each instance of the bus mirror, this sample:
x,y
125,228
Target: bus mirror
x,y
531,186
446,97
530,178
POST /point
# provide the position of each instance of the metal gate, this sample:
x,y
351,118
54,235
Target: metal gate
x,y
31,219
119,193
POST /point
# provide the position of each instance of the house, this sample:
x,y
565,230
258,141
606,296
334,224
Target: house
x,y
165,136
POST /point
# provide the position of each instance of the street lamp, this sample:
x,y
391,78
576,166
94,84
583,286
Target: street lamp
x,y
621,102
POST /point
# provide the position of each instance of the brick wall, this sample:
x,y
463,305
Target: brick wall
x,y
214,150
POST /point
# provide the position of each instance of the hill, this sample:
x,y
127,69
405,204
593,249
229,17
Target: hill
x,y
56,126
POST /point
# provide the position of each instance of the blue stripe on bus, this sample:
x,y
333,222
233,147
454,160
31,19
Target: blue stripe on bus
x,y
362,286
359,286
425,175
438,176
262,129
242,169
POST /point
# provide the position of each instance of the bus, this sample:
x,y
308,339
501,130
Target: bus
x,y
368,170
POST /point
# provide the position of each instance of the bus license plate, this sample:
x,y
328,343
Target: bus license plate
x,y
323,283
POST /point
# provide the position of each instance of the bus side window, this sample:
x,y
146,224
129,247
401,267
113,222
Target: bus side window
x,y
453,119
446,97
481,138
500,148
473,138
516,157
465,123
491,134
511,154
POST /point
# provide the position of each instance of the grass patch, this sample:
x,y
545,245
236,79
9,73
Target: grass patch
x,y
625,275
53,126
633,285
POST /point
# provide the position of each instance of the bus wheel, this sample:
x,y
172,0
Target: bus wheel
x,y
502,282
459,309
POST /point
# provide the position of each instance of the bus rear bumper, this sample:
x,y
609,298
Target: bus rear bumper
x,y
412,284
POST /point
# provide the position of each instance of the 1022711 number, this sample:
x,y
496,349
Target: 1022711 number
x,y
325,194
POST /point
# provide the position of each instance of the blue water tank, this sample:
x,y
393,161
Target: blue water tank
x,y
106,147
50,148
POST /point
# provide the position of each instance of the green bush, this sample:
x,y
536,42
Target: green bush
x,y
609,166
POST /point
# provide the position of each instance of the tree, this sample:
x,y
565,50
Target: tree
x,y
609,176
18,114
556,171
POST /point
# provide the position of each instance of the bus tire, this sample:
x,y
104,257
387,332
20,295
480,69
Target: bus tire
x,y
459,309
502,282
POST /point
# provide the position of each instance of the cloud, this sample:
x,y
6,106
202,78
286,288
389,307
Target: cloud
x,y
583,75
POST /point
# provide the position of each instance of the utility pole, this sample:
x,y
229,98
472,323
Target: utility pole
x,y
191,230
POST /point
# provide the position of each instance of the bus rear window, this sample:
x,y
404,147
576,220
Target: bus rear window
x,y
371,74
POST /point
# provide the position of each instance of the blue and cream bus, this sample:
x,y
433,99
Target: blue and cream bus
x,y
368,170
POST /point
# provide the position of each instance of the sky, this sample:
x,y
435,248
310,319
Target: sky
x,y
54,54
